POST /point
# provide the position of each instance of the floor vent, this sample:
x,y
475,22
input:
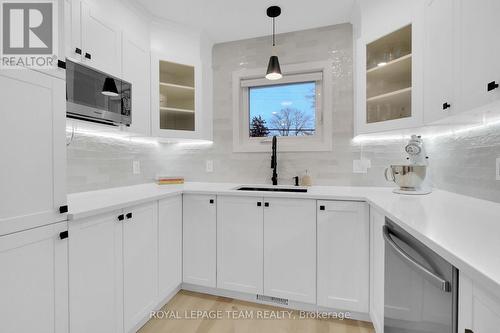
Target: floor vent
x,y
276,300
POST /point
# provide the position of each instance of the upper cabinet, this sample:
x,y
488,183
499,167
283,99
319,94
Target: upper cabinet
x,y
175,98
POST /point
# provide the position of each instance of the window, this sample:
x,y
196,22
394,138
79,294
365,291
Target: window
x,y
293,109
282,110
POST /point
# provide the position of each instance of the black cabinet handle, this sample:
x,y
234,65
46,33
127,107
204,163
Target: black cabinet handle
x,y
493,85
63,235
78,50
468,331
266,204
63,209
446,106
121,217
212,201
61,64
88,55
259,204
321,207
129,216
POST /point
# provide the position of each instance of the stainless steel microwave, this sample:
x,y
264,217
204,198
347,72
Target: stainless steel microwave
x,y
96,96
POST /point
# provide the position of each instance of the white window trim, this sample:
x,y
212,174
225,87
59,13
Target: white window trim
x,y
321,141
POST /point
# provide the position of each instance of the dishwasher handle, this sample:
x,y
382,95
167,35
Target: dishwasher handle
x,y
439,281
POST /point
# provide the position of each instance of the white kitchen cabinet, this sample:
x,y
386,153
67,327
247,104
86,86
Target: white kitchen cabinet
x,y
140,263
440,59
72,29
135,69
96,274
34,276
169,245
478,309
343,255
478,52
240,236
33,150
199,240
290,249
377,262
101,41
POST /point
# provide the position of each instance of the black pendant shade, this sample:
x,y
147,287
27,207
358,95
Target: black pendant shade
x,y
273,69
109,87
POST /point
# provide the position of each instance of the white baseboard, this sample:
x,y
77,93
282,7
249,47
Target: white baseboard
x,y
253,298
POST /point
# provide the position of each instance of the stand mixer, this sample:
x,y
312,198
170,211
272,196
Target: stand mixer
x,y
411,177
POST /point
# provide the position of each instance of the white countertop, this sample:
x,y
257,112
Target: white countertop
x,y
463,230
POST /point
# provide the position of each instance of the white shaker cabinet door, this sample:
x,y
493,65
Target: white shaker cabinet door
x,y
377,267
169,245
290,249
140,263
343,255
34,281
32,149
199,240
240,236
96,274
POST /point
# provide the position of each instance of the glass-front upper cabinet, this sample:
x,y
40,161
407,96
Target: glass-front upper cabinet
x,y
389,77
176,97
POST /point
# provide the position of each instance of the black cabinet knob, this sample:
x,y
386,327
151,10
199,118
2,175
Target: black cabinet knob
x,y
63,235
446,106
121,217
78,50
259,204
129,215
266,204
321,207
63,209
61,64
468,331
493,85
88,55
212,201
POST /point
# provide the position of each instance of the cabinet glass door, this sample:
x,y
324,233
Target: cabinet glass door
x,y
177,97
389,77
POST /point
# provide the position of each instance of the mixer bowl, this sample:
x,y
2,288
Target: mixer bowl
x,y
407,177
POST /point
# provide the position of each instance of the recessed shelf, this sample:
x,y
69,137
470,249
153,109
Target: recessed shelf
x,y
175,86
163,108
393,65
389,95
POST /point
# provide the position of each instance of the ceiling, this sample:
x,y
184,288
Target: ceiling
x,y
228,20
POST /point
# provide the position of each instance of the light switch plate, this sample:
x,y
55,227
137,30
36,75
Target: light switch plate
x,y
498,168
209,166
136,167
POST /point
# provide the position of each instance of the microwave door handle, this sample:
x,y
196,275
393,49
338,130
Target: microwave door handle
x,y
439,281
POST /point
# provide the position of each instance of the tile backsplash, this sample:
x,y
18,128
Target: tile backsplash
x,y
462,163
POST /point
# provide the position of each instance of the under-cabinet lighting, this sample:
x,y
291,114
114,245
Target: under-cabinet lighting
x,y
381,64
114,136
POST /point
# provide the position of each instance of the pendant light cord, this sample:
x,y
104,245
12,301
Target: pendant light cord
x,y
274,32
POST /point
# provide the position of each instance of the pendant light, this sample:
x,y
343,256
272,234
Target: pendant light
x,y
109,88
273,69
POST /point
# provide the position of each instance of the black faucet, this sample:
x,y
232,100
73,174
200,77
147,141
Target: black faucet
x,y
274,162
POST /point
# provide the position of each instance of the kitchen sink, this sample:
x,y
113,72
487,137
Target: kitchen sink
x,y
272,189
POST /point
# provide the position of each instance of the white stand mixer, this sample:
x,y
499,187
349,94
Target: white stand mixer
x,y
411,178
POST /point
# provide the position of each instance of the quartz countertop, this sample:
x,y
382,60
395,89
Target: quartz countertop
x,y
463,230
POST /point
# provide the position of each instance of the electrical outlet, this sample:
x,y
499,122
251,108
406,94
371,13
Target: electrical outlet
x,y
498,168
136,167
209,167
361,166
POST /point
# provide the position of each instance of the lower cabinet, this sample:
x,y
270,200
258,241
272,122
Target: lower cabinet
x,y
199,240
240,236
169,245
343,255
290,249
140,263
34,281
377,264
113,270
96,274
478,308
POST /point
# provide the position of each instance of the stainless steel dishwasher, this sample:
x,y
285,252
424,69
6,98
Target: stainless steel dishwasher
x,y
421,288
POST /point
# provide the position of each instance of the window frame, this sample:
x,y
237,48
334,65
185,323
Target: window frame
x,y
244,79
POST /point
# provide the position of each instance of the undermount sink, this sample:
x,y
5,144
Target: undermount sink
x,y
272,189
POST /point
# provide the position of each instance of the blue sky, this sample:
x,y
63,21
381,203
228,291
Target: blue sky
x,y
268,99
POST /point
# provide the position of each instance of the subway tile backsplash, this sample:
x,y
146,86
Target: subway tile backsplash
x,y
463,164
